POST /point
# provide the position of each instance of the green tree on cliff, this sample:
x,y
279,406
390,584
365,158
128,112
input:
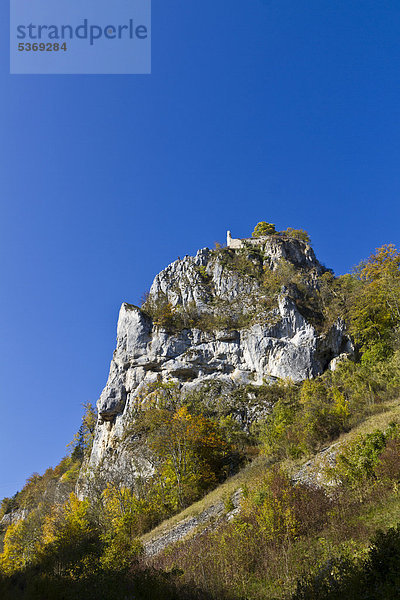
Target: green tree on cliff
x,y
262,229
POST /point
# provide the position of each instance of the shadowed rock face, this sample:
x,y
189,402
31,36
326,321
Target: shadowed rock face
x,y
284,345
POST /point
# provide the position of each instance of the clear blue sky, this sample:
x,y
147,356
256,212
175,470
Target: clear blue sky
x,y
279,110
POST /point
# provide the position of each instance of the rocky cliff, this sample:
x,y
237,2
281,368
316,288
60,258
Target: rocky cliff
x,y
235,317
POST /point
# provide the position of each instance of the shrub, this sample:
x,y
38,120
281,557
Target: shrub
x,y
366,457
373,578
388,465
298,234
162,312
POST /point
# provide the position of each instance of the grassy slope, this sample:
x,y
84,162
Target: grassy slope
x,y
253,472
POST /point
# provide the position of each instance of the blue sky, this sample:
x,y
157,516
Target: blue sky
x,y
278,110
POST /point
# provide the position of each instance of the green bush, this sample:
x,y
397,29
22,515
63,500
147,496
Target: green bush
x,y
367,458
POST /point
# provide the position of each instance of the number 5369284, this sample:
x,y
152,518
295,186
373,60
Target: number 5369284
x,y
42,47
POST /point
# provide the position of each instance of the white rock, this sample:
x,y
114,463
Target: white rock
x,y
288,348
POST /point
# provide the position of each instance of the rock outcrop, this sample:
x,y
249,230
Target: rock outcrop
x,y
272,339
13,517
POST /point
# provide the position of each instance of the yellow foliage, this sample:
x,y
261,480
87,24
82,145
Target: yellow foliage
x,y
22,543
311,391
340,405
262,229
13,555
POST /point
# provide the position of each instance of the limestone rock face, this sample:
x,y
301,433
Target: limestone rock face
x,y
277,342
13,517
202,279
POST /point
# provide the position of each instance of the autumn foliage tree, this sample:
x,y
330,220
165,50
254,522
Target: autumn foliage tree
x,y
71,538
125,516
375,314
21,545
263,228
188,452
298,234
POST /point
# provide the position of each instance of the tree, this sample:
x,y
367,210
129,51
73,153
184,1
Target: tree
x,y
83,439
262,229
124,517
71,539
22,543
375,314
8,505
187,450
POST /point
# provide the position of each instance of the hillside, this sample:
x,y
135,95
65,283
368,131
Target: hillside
x,y
224,502
224,319
247,432
235,546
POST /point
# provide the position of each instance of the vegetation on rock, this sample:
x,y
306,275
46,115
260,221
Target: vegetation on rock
x,y
290,540
262,229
